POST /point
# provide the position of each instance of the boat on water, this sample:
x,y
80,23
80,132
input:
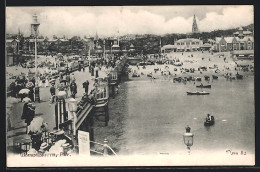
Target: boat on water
x,y
203,86
149,75
214,77
198,78
197,93
209,122
207,77
239,76
135,74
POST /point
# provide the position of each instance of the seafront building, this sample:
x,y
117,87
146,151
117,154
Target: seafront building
x,y
242,40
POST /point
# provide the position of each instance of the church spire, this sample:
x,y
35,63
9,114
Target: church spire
x,y
194,25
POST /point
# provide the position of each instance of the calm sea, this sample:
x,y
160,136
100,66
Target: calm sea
x,y
159,111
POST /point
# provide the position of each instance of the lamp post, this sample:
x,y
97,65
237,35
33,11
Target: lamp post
x,y
60,108
72,105
104,42
188,138
34,29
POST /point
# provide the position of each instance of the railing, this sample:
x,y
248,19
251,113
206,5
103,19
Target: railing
x,y
105,147
83,114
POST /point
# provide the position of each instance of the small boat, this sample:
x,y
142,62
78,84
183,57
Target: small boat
x,y
197,93
135,75
198,79
156,69
239,76
177,79
149,75
214,77
177,64
209,122
207,77
203,86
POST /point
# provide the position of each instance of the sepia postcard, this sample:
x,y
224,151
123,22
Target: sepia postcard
x,y
130,86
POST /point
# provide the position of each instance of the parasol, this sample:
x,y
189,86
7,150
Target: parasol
x,y
36,125
26,100
53,80
24,91
29,85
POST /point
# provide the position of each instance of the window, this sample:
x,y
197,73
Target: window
x,y
197,43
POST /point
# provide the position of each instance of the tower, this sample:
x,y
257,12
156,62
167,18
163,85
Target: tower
x,y
195,28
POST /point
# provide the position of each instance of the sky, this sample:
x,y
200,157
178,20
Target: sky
x,y
121,20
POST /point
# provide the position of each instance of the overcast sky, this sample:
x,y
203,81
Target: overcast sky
x,y
107,21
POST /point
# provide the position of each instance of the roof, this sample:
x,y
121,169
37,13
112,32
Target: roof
x,y
38,40
211,40
206,45
132,46
247,32
115,46
229,39
218,39
188,40
246,38
63,40
53,40
99,47
169,46
11,40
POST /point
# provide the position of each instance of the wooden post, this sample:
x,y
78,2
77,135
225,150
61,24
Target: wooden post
x,y
106,115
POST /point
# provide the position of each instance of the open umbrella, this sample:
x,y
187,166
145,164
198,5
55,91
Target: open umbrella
x,y
52,80
26,100
36,125
29,85
24,91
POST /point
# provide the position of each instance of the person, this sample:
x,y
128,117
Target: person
x,y
60,76
12,89
31,93
68,78
79,67
73,89
33,81
85,85
96,69
29,115
52,91
67,70
208,117
72,79
47,84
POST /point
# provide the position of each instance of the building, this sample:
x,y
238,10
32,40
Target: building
x,y
168,48
245,33
189,44
115,46
237,42
12,51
